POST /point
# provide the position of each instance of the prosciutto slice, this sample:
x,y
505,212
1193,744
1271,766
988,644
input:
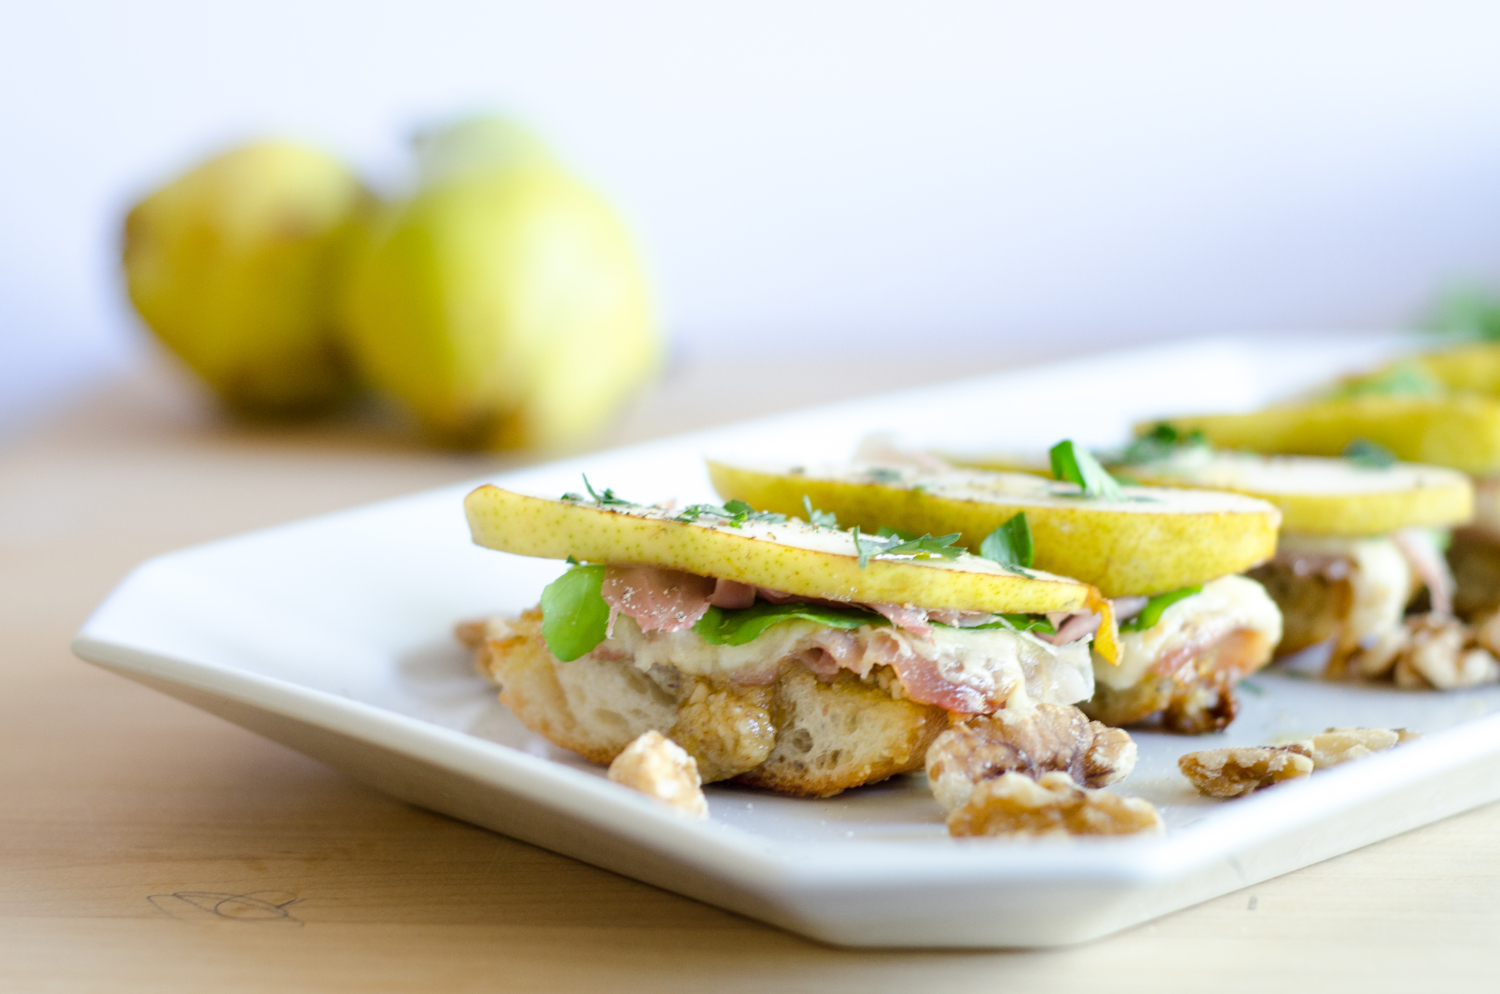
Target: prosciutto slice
x,y
1075,627
660,600
1427,562
913,619
731,595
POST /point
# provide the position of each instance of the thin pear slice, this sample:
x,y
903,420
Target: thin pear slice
x,y
1324,496
1474,367
1153,541
790,556
1461,432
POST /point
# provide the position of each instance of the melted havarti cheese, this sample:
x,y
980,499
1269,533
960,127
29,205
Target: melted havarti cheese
x,y
1010,667
1380,578
1227,604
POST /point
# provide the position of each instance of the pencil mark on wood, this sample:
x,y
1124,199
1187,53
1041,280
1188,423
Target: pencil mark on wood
x,y
259,907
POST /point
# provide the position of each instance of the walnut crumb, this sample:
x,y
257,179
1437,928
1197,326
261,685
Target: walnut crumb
x,y
1235,771
1014,804
1341,745
654,764
1046,739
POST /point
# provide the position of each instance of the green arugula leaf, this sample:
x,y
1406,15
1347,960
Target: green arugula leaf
x,y
1077,465
1010,544
730,627
575,617
865,548
1370,455
1151,613
819,519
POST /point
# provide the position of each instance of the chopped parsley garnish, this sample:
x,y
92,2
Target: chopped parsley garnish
x,y
881,474
1151,613
1403,379
605,498
737,627
1077,465
890,542
817,518
575,617
1368,454
1010,544
1160,442
734,512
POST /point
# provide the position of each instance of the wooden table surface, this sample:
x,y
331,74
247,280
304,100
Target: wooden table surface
x,y
126,817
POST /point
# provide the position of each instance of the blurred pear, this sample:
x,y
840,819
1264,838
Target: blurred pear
x,y
235,266
503,302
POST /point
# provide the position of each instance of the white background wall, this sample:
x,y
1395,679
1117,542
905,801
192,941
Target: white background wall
x,y
900,178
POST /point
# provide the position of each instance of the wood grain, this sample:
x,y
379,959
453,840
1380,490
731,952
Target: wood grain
x,y
147,846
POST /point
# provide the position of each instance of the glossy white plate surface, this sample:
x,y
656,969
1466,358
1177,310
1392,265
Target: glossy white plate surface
x,y
332,636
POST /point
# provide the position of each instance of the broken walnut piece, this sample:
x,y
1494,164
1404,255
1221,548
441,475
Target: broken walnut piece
x,y
1342,745
653,764
1234,771
1045,739
1429,651
1014,804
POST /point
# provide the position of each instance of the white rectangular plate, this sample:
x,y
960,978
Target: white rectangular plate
x,y
333,636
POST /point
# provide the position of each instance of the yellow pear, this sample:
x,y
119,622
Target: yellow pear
x,y
1460,431
1316,495
503,302
234,266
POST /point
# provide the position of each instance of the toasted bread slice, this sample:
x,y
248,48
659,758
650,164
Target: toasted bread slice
x,y
798,735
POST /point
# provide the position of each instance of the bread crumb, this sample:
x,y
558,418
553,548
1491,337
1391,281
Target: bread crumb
x,y
653,764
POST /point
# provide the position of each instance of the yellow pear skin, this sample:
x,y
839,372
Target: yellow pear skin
x,y
235,265
504,306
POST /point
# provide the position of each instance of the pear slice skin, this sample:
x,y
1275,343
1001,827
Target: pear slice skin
x,y
791,556
1461,432
1322,496
1172,538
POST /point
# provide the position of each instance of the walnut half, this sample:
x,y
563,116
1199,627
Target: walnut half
x,y
654,764
1236,771
1233,772
1045,739
1341,745
1013,804
1432,652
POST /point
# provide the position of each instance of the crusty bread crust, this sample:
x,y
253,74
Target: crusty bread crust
x,y
832,736
797,735
1197,697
